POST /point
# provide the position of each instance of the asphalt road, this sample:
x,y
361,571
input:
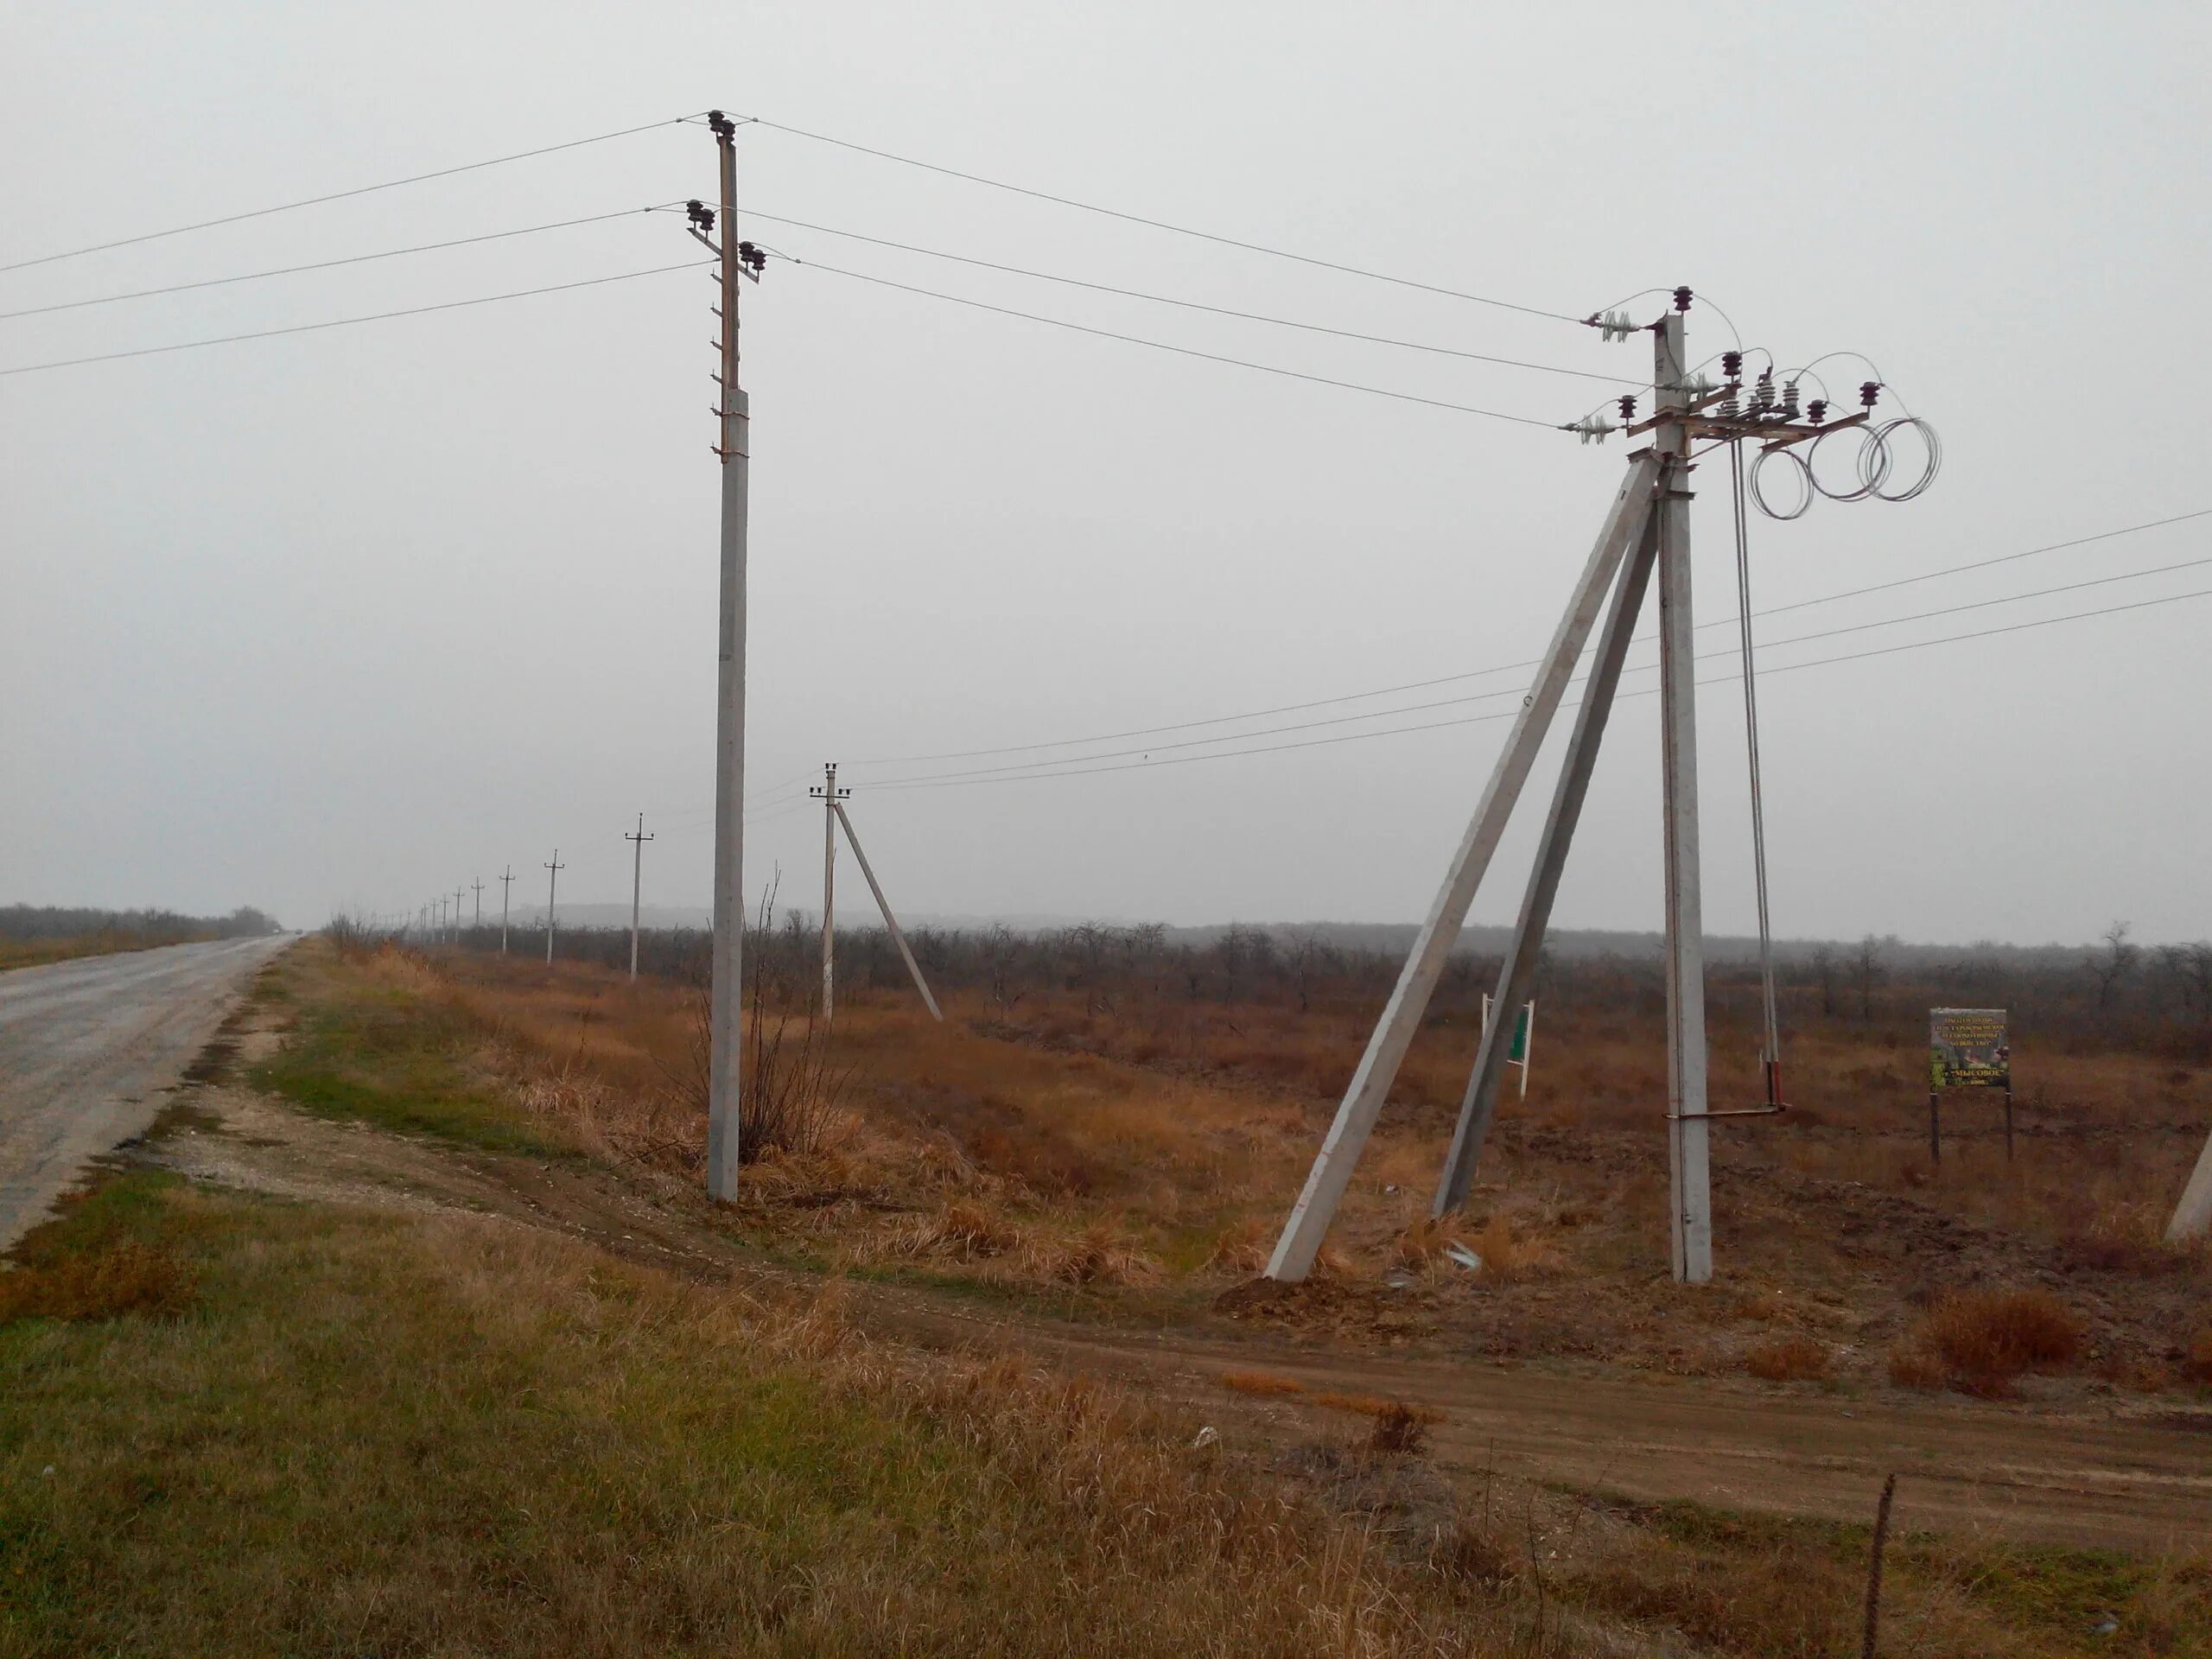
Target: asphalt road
x,y
87,1048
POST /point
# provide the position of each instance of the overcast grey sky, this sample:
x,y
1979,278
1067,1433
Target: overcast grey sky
x,y
342,618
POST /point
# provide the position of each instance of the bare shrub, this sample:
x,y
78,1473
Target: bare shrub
x,y
1978,1341
2196,1360
1911,1366
1787,1359
791,1093
125,1278
1400,1431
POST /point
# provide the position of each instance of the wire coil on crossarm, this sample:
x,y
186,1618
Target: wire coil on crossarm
x,y
1875,466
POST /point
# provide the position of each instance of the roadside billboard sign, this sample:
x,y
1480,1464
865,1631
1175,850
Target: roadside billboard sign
x,y
1967,1048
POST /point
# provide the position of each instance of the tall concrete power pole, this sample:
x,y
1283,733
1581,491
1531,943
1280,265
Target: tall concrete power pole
x,y
727,997
828,794
477,887
506,890
637,886
459,894
552,879
1645,541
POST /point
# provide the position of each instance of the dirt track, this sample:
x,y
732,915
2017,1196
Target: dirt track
x,y
2138,1481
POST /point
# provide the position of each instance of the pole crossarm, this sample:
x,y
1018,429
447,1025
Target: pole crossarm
x,y
1308,1222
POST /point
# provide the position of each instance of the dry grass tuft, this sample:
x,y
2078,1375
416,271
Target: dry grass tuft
x,y
1978,1341
1259,1382
1370,1405
2196,1360
1400,1431
1787,1359
128,1277
964,1229
1241,1249
1099,1255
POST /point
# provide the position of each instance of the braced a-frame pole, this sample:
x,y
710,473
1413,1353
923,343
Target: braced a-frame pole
x,y
1517,979
1331,1173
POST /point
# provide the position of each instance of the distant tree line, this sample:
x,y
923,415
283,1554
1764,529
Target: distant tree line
x,y
26,923
2116,994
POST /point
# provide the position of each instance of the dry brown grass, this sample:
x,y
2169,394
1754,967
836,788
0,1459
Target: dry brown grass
x,y
2197,1358
1155,1183
1788,1359
125,1277
1980,1341
1259,1382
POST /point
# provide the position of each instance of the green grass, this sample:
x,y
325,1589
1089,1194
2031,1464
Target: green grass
x,y
381,1435
2046,1600
395,1058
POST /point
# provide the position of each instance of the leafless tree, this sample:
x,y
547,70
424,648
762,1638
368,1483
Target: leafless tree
x,y
1866,968
1824,966
2111,969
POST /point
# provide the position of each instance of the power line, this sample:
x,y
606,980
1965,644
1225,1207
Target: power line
x,y
347,322
1506,668
337,195
1187,305
320,264
1160,224
1186,351
1514,690
958,780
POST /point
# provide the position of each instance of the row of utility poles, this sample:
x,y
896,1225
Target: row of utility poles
x,y
433,920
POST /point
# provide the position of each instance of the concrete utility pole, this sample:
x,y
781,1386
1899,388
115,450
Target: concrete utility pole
x,y
727,997
1691,1211
1308,1223
2193,1215
637,885
1646,534
828,794
890,921
459,894
552,879
477,887
506,888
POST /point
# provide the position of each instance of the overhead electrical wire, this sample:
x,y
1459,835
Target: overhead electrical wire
x,y
1187,305
337,195
1158,224
1186,351
348,322
1507,668
322,264
1514,690
1073,769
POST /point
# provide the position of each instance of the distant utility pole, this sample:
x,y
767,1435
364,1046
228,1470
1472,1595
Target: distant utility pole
x,y
459,894
883,904
727,997
478,886
506,886
552,880
440,935
828,794
637,885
